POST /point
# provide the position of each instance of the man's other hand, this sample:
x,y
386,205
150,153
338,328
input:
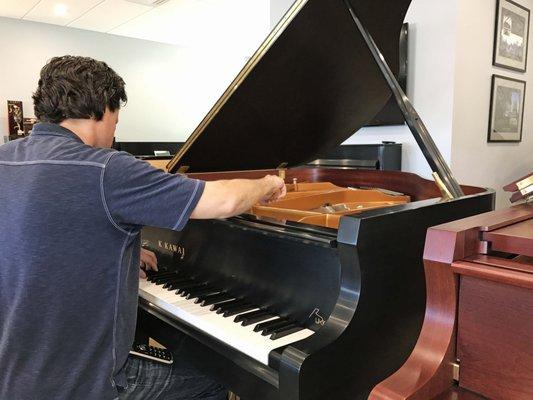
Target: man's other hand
x,y
148,261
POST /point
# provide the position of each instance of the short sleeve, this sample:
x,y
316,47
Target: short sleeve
x,y
137,194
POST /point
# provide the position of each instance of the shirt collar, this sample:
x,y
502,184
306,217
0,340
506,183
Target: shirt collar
x,y
50,129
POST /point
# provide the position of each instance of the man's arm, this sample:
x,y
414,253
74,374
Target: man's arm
x,y
223,199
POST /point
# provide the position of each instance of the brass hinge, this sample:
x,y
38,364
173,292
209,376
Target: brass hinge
x,y
525,187
183,169
282,170
445,192
456,369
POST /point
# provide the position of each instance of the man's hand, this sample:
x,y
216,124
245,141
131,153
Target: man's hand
x,y
277,189
148,261
226,198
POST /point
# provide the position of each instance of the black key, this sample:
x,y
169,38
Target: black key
x,y
200,287
160,275
176,275
268,324
213,299
286,331
194,294
238,310
221,307
255,320
163,272
243,317
184,286
180,283
187,288
149,274
271,328
159,280
181,279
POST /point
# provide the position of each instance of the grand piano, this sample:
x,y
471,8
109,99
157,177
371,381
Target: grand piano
x,y
320,295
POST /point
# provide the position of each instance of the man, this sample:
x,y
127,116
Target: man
x,y
71,210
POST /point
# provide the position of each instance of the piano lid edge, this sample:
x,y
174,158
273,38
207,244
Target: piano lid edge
x,y
243,74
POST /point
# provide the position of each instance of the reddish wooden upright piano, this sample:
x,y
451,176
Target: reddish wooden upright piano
x,y
477,337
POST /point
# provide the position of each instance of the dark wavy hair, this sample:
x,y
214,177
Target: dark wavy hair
x,y
77,87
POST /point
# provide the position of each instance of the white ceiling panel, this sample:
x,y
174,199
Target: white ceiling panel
x,y
60,12
237,25
169,23
232,26
108,15
16,8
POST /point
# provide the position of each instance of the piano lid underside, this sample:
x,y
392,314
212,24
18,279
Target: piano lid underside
x,y
304,91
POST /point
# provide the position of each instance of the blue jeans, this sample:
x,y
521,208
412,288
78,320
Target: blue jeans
x,y
148,380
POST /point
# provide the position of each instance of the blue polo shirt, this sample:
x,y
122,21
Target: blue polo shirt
x,y
70,218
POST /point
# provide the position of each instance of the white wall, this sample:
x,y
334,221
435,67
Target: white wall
x,y
475,161
277,9
430,83
170,89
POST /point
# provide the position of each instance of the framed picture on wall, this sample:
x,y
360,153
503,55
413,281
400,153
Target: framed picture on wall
x,y
511,39
506,109
15,119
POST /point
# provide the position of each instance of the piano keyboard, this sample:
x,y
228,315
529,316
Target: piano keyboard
x,y
234,321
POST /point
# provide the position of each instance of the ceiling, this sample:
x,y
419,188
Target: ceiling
x,y
238,25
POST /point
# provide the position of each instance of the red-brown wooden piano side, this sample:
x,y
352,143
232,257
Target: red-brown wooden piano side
x,y
428,371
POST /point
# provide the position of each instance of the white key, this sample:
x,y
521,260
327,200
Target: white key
x,y
242,338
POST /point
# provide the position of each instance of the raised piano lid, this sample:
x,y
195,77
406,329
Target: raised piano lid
x,y
311,85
